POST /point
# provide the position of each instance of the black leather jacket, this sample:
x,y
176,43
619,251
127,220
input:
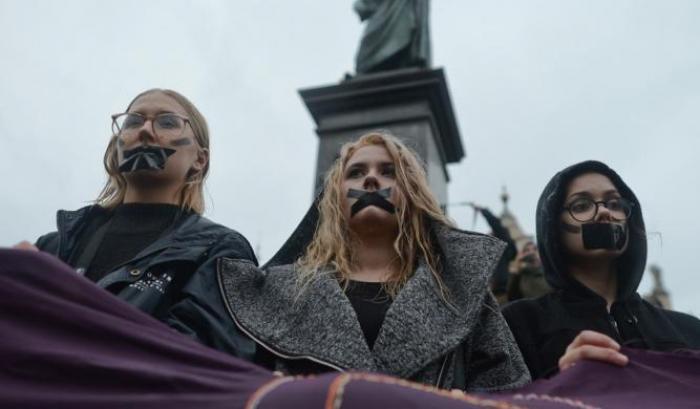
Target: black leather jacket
x,y
173,279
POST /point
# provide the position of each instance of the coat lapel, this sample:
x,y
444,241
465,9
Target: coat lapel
x,y
420,326
320,324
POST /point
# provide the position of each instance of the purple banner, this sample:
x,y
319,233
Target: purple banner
x,y
65,343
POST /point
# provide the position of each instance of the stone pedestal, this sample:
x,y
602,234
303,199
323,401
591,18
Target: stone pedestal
x,y
413,104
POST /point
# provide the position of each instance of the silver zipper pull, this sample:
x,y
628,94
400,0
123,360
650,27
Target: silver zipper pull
x,y
614,324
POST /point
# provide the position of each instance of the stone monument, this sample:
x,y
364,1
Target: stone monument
x,y
396,35
394,94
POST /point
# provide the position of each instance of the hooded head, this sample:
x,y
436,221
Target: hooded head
x,y
632,260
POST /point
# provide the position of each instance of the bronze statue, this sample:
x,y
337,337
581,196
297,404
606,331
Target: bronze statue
x,y
396,35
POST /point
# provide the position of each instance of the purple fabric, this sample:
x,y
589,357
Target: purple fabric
x,y
363,391
65,343
650,380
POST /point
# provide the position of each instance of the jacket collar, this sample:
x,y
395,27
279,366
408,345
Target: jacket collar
x,y
183,233
580,296
421,326
418,328
69,223
318,324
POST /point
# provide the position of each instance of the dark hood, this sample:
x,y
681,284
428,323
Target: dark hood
x,y
296,244
549,207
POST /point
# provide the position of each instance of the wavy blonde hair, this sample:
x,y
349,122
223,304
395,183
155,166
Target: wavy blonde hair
x,y
331,249
192,192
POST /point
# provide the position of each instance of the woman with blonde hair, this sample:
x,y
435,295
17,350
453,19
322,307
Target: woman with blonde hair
x,y
375,278
145,239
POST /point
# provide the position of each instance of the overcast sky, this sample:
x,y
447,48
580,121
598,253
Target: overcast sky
x,y
536,86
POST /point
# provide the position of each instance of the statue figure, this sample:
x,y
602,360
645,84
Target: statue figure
x,y
396,35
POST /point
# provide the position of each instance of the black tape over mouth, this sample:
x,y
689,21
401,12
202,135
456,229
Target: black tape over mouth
x,y
145,158
607,236
377,198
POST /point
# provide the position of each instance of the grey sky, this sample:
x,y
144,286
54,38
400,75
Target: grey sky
x,y
536,86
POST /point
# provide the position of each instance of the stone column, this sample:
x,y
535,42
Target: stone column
x,y
413,104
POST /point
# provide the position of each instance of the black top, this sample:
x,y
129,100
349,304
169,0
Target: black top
x,y
370,302
132,227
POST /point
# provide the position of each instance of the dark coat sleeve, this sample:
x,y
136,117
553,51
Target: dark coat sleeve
x,y
494,362
513,287
687,325
500,274
541,353
201,313
521,317
48,243
499,231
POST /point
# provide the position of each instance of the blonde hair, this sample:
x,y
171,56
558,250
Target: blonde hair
x,y
191,195
331,246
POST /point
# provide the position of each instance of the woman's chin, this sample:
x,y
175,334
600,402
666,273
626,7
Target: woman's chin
x,y
149,178
598,254
373,219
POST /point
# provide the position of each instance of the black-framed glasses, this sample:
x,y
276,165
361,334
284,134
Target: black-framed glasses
x,y
585,209
166,125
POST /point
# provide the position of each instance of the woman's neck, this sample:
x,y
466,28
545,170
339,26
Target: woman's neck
x,y
163,194
377,260
600,276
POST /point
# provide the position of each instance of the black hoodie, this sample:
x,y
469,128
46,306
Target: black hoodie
x,y
545,326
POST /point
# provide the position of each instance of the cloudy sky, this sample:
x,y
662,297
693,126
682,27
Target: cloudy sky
x,y
536,86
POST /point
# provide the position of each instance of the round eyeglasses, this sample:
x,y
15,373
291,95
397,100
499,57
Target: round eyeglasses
x,y
166,125
585,209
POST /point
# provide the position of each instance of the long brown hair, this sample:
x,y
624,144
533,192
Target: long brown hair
x,y
192,192
331,246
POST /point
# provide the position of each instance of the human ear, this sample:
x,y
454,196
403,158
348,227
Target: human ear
x,y
202,160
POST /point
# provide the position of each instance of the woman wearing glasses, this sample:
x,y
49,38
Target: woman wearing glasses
x,y
593,248
145,240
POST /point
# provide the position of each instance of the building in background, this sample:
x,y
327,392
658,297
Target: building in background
x,y
658,296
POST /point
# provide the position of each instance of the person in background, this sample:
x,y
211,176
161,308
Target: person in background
x,y
526,279
499,280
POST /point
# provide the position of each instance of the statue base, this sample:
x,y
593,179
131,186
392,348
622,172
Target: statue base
x,y
413,104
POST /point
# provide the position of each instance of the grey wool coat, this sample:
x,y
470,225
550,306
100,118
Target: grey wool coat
x,y
423,339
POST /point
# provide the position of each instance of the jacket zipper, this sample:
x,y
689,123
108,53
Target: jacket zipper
x,y
264,345
442,370
613,324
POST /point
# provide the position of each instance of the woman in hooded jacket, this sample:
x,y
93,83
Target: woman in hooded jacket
x,y
593,248
376,279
